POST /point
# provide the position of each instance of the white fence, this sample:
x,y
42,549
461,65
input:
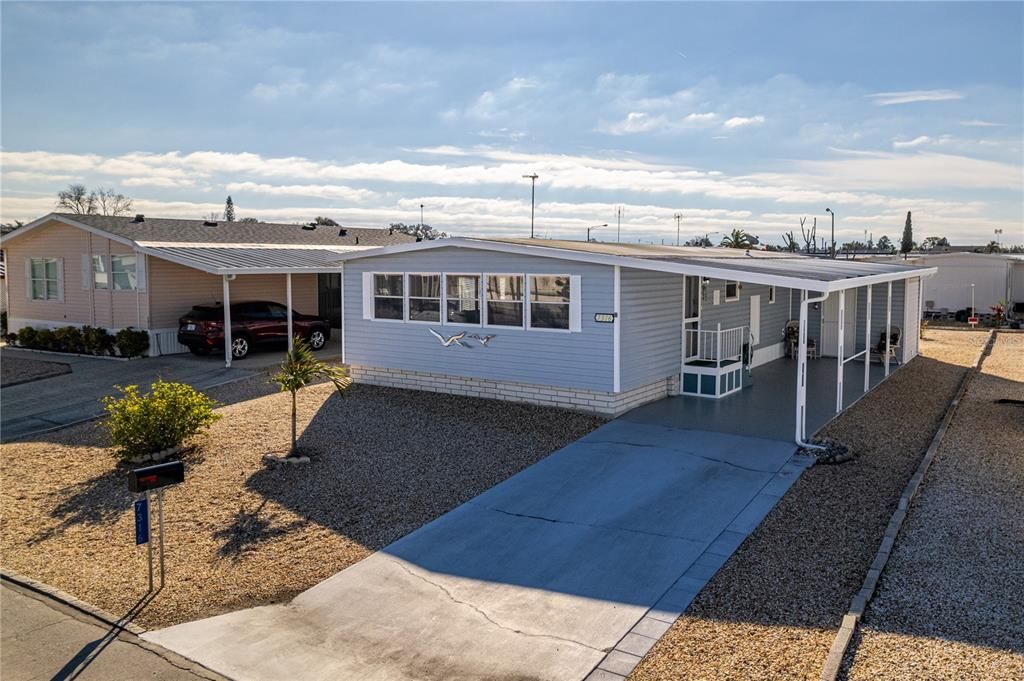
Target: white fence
x,y
715,345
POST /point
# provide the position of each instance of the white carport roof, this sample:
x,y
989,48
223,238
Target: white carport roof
x,y
789,270
250,258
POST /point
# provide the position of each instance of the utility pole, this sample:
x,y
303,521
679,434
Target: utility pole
x,y
421,217
533,193
618,230
679,222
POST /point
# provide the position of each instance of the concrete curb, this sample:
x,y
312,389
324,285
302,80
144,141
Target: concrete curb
x,y
70,601
834,661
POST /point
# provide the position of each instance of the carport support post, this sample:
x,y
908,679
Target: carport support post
x,y
888,327
840,348
801,369
227,322
288,297
867,342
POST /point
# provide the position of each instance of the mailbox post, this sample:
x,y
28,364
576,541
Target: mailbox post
x,y
147,480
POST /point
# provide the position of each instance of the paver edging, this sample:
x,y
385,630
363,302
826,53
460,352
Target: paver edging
x,y
859,603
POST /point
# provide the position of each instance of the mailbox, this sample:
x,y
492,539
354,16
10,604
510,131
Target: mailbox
x,y
155,477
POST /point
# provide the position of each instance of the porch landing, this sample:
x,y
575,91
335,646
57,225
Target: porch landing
x,y
767,407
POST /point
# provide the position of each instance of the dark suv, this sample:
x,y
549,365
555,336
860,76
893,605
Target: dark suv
x,y
252,323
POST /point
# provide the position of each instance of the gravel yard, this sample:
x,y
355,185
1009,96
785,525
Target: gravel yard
x,y
950,603
21,370
772,610
384,462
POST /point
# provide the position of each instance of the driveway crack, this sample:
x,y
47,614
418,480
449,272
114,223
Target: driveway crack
x,y
487,617
681,451
545,519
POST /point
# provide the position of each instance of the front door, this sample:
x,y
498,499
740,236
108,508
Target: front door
x,y
830,324
691,316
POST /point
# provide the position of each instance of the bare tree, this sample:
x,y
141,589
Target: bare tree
x,y
789,242
111,203
77,199
810,236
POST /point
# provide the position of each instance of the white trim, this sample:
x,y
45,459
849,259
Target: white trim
x,y
263,245
617,336
772,294
529,303
343,325
767,353
444,299
227,320
409,297
725,291
374,296
705,271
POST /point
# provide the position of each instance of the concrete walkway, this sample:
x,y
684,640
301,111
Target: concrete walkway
x,y
45,639
581,560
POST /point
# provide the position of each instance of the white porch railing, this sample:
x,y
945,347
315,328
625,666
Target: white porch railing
x,y
716,345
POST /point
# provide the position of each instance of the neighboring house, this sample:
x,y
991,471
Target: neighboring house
x,y
997,277
606,327
142,272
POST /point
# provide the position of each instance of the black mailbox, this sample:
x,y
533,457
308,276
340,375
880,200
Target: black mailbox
x,y
154,477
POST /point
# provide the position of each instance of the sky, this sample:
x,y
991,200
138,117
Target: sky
x,y
732,115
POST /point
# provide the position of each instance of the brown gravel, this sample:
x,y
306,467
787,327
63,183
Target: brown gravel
x,y
950,603
771,612
15,370
384,462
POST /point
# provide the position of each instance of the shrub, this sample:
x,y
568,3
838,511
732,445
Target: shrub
x,y
69,339
46,339
27,337
3,323
165,417
97,341
11,338
131,342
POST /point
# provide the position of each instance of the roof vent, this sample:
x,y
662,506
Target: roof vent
x,y
342,232
209,223
357,240
419,239
139,218
310,227
391,230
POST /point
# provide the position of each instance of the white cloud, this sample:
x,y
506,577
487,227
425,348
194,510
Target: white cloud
x,y
321,191
167,182
269,92
911,96
908,144
30,176
976,123
741,121
637,122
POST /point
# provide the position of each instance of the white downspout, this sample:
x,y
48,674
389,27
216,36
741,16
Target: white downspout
x,y
288,296
888,325
867,343
801,374
841,351
341,293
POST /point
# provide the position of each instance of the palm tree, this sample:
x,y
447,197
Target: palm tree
x,y
737,239
299,369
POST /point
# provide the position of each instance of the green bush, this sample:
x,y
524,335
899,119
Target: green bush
x,y
132,343
165,417
46,339
27,337
97,341
69,339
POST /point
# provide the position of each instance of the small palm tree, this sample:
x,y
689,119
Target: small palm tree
x,y
299,369
737,239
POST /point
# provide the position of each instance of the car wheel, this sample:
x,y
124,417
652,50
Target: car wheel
x,y
239,347
317,339
199,350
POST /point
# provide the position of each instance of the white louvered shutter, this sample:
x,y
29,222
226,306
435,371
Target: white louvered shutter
x,y
367,295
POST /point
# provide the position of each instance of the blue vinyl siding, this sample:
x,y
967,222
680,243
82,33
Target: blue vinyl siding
x,y
552,358
737,312
879,293
651,334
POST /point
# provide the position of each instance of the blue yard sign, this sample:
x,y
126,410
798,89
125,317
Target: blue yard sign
x,y
141,521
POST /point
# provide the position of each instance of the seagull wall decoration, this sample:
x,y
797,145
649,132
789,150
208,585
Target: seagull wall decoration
x,y
448,342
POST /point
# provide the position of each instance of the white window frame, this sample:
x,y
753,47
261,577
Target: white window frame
x,y
408,297
58,284
480,290
771,295
103,269
374,296
525,301
568,304
725,291
111,271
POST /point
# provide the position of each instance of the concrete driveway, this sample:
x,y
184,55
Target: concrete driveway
x,y
597,547
32,408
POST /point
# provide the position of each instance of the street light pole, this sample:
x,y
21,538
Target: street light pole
x,y
679,221
421,217
594,227
618,231
533,192
833,253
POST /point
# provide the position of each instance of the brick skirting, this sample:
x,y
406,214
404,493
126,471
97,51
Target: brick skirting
x,y
604,403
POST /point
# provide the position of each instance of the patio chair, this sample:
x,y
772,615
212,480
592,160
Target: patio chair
x,y
894,344
791,333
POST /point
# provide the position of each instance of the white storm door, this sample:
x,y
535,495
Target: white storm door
x,y
755,321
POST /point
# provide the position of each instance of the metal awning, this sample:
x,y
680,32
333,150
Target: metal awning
x,y
250,259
